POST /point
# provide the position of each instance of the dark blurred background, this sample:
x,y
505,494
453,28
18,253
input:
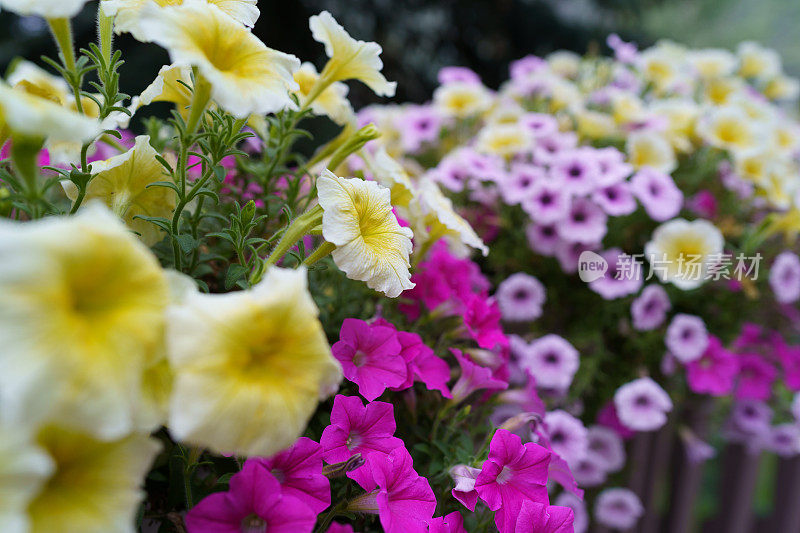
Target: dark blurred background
x,y
421,36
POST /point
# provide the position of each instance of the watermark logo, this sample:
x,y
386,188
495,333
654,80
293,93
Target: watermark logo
x,y
591,266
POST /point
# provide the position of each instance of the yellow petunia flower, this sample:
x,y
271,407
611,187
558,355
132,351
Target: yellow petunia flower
x,y
94,485
44,8
462,100
127,13
649,149
167,87
122,184
681,252
81,316
331,102
391,175
23,470
245,76
371,246
505,140
250,366
729,128
350,59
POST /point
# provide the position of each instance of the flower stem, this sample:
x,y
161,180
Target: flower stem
x,y
296,230
323,250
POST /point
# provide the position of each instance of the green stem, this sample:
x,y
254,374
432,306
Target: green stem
x,y
299,227
324,250
62,34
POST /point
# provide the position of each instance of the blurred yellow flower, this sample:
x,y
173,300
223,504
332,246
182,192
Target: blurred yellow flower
x,y
390,174
462,100
756,61
681,252
433,217
23,470
331,102
167,87
81,315
371,246
122,184
250,366
350,59
44,8
729,128
246,77
649,149
504,139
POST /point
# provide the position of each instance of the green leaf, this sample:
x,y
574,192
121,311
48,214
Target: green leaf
x,y
234,274
186,242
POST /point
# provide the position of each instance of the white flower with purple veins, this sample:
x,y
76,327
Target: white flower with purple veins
x,y
588,471
784,439
542,238
585,222
607,445
567,435
650,309
569,253
575,170
578,506
659,195
552,361
539,125
616,200
642,405
750,417
618,508
784,278
623,277
519,183
687,337
520,298
546,202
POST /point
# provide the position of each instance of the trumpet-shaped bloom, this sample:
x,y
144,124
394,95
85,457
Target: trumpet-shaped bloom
x,y
464,477
350,59
81,315
687,337
332,101
650,149
784,278
122,184
358,429
540,517
167,87
714,373
127,13
93,485
567,435
552,359
250,366
649,310
681,252
642,405
473,377
371,246
246,77
618,508
438,213
462,99
520,297
451,523
253,502
44,8
24,468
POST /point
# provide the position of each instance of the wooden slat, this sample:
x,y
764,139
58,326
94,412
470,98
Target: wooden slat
x,y
739,476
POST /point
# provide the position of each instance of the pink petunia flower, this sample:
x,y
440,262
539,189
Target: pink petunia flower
x,y
784,277
552,359
659,195
687,337
715,372
254,502
464,490
482,319
520,297
546,202
608,417
585,222
543,518
451,523
402,498
650,309
618,508
616,200
542,238
473,377
370,357
756,376
623,277
607,446
457,75
567,435
299,471
581,515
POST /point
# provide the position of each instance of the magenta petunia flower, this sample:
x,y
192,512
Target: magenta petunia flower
x,y
402,498
756,376
703,204
650,309
659,195
513,473
784,277
567,435
546,202
358,429
299,471
581,522
715,372
552,359
623,277
607,446
642,404
482,319
464,477
473,377
558,470
254,501
336,527
451,523
585,222
687,337
618,508
370,357
542,518
616,200
608,417
520,297
789,357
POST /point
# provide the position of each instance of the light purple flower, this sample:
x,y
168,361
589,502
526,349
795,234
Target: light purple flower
x,y
623,52
452,174
611,166
589,471
616,200
418,124
524,67
567,499
552,360
546,202
568,254
784,278
543,238
585,222
642,405
650,309
455,74
607,445
784,439
659,195
618,508
686,337
697,450
575,170
548,147
750,417
623,277
519,183
540,125
520,297
567,435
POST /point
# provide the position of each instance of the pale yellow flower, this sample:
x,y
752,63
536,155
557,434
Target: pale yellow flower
x,y
681,116
756,61
122,183
722,91
350,59
595,124
504,139
681,252
250,366
331,102
81,315
462,100
626,107
650,149
246,77
371,246
433,216
170,85
24,467
782,88
729,128
660,66
391,175
127,13
94,486
564,63
44,8
712,62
